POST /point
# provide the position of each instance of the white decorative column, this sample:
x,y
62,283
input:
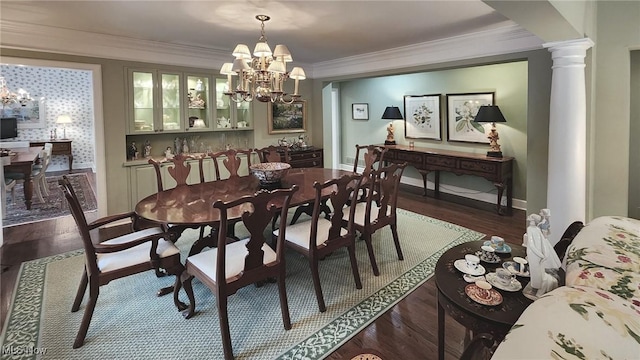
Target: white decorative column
x,y
567,174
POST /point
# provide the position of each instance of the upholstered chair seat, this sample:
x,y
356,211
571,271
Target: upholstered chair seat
x,y
299,233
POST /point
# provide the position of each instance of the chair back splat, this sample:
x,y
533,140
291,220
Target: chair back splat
x,y
231,161
236,264
274,154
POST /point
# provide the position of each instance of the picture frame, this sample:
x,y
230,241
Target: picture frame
x,y
30,116
360,111
422,117
287,118
461,111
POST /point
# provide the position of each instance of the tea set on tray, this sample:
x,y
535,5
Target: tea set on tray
x,y
481,287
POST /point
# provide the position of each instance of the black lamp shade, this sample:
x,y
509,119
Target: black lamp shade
x,y
489,114
392,113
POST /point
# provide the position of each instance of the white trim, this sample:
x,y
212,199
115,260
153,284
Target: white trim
x,y
454,190
100,157
504,40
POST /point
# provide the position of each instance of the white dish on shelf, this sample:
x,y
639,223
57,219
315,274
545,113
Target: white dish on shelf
x,y
461,265
492,278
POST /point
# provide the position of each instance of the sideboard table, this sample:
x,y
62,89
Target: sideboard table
x,y
495,320
60,147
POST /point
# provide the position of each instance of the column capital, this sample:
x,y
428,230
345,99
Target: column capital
x,y
569,52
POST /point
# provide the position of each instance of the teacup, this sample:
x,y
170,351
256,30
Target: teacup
x,y
504,276
497,242
520,264
488,252
472,261
484,288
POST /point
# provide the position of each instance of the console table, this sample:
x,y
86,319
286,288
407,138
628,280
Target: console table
x,y
60,147
497,170
306,158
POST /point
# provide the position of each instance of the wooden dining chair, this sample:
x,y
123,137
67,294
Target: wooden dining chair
x,y
116,258
231,161
318,237
273,153
373,158
232,266
379,209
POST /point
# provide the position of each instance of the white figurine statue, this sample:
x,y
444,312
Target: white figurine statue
x,y
541,257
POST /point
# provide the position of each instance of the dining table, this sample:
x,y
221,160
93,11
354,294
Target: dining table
x,y
22,161
187,206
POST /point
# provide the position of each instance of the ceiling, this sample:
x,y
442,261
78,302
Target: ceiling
x,y
314,31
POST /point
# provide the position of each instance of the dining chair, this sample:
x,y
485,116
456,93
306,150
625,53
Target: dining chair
x,y
318,237
373,158
129,254
231,161
273,153
232,266
379,209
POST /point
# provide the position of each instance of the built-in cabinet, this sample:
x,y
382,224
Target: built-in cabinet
x,y
166,101
231,115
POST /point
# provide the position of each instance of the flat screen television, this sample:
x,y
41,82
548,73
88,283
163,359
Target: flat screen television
x,y
8,128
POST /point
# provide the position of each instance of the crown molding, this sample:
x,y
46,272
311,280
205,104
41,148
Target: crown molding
x,y
503,40
33,37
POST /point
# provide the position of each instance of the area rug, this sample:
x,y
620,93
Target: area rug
x,y
55,205
131,322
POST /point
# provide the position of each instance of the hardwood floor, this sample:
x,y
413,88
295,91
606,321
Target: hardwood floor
x,y
407,331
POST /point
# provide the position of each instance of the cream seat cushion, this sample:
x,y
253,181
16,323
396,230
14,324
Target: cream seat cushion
x,y
234,263
135,255
299,233
361,209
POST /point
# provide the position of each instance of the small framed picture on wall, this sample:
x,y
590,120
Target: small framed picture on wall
x,y
461,111
360,111
422,117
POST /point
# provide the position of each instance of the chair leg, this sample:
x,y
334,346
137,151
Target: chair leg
x,y
45,188
372,256
186,279
315,274
396,240
224,327
284,304
94,290
177,272
38,190
81,290
354,265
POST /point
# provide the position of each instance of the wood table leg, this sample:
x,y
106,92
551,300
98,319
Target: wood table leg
x,y
437,185
440,331
500,187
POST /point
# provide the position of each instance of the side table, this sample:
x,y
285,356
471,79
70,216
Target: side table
x,y
60,147
495,320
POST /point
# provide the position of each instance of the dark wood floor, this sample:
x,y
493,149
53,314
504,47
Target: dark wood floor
x,y
407,331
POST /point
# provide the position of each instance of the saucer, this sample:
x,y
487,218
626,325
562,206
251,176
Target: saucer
x,y
510,265
505,249
492,278
473,291
471,278
461,265
482,258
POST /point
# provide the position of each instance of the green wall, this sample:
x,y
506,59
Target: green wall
x,y
634,140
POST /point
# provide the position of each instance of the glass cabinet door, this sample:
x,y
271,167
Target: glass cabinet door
x,y
243,116
171,102
198,103
142,101
223,108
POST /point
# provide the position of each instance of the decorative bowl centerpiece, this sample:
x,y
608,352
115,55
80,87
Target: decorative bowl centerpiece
x,y
271,172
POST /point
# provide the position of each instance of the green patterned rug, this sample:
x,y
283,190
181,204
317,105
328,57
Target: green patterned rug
x,y
131,322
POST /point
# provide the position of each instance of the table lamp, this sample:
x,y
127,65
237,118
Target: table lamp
x,y
391,113
491,114
64,120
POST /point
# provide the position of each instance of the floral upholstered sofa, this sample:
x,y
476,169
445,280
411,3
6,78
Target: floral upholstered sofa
x,y
596,315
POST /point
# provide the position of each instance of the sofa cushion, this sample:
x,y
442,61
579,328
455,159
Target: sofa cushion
x,y
575,323
606,255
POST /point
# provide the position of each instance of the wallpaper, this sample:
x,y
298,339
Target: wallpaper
x,y
59,91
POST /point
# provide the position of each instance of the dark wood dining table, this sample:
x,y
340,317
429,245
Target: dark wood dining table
x,y
192,205
22,159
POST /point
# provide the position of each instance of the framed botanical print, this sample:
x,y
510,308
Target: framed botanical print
x,y
287,118
422,117
360,111
461,111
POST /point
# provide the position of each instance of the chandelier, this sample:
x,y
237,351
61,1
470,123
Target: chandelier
x,y
8,97
263,76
